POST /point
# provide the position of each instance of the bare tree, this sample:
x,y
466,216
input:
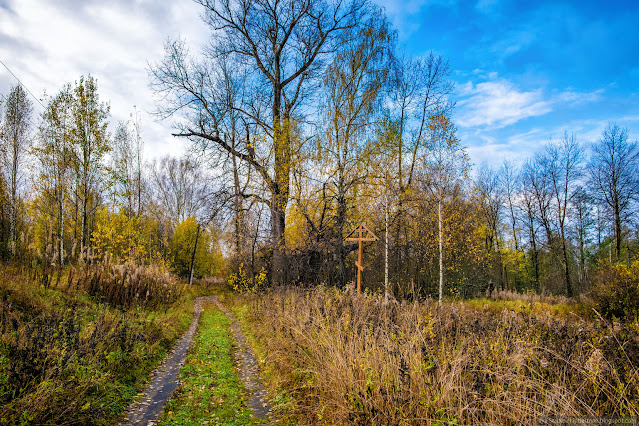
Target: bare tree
x,y
510,179
419,86
491,198
564,168
530,204
583,221
180,188
614,176
126,181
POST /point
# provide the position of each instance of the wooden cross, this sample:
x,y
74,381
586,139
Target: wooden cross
x,y
363,234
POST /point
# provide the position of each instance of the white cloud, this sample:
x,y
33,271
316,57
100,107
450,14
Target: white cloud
x,y
572,97
498,103
405,14
47,44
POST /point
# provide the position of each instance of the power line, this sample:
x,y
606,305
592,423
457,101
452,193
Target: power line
x,y
22,84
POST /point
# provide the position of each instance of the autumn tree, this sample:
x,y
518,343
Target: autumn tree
x,y
614,177
192,251
446,165
352,92
15,139
4,220
285,43
54,154
90,143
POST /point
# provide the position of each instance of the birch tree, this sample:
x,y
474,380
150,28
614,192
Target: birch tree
x,y
54,155
14,145
90,144
446,165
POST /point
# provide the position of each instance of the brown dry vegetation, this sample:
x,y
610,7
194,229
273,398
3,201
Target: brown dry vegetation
x,y
128,285
345,359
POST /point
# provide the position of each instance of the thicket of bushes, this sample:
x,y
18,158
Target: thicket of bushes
x,y
616,291
68,358
345,359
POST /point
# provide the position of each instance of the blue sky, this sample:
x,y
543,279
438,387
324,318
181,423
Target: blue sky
x,y
525,71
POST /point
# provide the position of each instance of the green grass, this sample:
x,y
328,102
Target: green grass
x,y
211,391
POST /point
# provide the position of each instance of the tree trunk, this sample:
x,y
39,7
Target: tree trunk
x,y
61,208
237,203
535,256
441,251
617,231
278,265
13,217
280,188
386,285
569,290
197,235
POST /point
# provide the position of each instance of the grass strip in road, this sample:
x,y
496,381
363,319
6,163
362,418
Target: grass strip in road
x,y
211,392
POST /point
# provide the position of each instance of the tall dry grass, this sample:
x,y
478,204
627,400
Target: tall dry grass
x,y
126,285
345,359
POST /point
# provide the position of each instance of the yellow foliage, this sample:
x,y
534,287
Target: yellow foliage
x,y
241,282
118,235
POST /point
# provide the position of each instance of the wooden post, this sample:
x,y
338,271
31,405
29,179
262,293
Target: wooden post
x,y
360,238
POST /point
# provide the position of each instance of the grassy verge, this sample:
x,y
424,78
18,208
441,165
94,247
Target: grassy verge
x,y
66,357
283,404
211,391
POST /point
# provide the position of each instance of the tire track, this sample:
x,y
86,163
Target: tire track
x,y
249,370
164,379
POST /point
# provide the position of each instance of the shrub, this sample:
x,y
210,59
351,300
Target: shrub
x,y
243,282
616,291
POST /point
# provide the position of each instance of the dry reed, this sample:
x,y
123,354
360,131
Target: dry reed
x,y
345,359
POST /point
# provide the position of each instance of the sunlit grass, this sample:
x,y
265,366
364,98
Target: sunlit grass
x,y
521,306
337,358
